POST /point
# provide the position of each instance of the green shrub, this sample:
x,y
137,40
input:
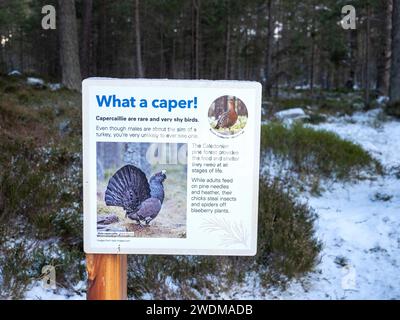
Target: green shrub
x,y
315,118
393,109
22,260
171,277
40,199
15,263
40,187
37,185
287,249
283,104
67,261
341,106
315,154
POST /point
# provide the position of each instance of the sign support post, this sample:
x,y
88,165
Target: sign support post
x,y
107,276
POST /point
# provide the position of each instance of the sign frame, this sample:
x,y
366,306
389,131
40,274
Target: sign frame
x,y
188,89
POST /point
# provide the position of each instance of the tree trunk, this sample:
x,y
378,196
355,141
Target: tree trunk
x,y
198,40
312,64
192,42
162,62
196,37
21,50
86,43
138,41
227,45
278,12
353,46
277,69
383,61
367,58
395,66
173,66
101,39
268,62
69,49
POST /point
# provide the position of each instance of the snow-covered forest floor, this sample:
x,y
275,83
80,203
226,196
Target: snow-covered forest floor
x,y
357,207
358,223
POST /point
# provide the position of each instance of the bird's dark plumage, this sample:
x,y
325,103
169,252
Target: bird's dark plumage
x,y
128,188
148,210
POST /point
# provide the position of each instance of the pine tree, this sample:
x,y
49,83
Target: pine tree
x,y
69,50
395,68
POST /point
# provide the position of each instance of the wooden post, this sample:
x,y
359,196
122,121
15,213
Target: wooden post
x,y
107,276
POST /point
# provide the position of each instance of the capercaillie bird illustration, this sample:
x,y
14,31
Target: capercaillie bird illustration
x,y
141,199
228,118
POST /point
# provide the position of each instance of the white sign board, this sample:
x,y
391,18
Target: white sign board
x,y
171,166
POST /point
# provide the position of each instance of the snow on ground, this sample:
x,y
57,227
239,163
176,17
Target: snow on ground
x,y
54,86
14,73
359,225
39,292
290,115
35,81
381,139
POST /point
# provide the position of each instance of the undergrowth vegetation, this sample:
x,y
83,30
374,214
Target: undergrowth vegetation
x,y
40,185
312,156
393,110
287,249
41,203
325,102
